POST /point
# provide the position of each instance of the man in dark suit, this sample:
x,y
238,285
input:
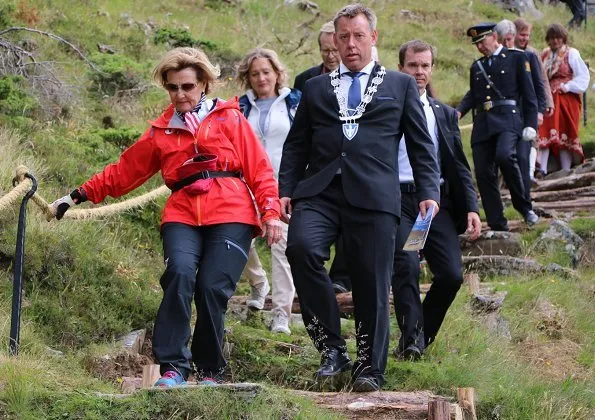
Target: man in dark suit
x,y
503,99
506,31
459,212
339,174
328,52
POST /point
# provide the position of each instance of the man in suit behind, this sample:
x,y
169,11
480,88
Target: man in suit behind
x,y
506,31
459,212
340,176
521,42
328,52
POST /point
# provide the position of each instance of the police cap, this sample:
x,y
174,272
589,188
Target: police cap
x,y
480,31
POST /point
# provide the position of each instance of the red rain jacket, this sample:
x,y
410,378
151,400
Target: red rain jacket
x,y
168,143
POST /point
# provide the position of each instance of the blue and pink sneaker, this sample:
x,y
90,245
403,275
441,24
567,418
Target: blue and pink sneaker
x,y
169,379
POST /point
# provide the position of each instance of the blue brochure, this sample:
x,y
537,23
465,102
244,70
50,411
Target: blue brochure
x,y
419,232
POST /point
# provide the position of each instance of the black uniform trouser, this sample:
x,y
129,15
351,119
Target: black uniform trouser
x,y
523,151
578,11
443,254
499,151
203,263
369,239
338,272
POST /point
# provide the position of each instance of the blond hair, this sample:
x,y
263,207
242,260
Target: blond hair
x,y
244,67
183,58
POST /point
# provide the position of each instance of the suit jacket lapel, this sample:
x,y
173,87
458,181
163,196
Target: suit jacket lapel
x,y
441,123
329,88
375,70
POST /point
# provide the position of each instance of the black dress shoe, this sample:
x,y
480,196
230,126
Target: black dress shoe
x,y
413,350
333,362
365,384
339,287
412,353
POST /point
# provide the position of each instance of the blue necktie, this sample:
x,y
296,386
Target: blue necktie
x,y
354,95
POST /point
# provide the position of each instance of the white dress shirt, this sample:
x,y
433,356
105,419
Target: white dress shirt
x,y
346,79
405,170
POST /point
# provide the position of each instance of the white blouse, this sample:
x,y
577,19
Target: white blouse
x,y
580,80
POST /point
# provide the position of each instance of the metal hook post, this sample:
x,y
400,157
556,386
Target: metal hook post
x,y
17,287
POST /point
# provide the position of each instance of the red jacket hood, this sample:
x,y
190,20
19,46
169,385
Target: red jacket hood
x,y
163,120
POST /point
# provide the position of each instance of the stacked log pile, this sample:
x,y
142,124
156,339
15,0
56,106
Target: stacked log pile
x,y
565,191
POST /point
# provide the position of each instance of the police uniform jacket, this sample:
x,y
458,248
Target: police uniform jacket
x,y
510,73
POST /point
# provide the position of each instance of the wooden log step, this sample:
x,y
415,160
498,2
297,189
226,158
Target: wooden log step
x,y
380,404
571,194
345,300
585,204
567,183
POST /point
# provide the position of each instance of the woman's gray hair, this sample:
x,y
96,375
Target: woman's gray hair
x,y
353,10
244,67
505,27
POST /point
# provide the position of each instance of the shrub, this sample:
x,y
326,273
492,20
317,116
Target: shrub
x,y
121,137
14,99
178,37
118,74
6,12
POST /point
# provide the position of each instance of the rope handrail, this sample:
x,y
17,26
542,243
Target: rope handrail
x,y
23,184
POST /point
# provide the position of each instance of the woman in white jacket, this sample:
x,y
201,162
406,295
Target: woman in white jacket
x,y
269,107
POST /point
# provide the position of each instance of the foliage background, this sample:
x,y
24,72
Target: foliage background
x,y
86,283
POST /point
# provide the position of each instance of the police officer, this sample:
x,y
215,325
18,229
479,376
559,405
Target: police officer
x,y
503,101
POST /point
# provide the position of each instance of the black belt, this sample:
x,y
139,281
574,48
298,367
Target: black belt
x,y
409,187
487,105
203,175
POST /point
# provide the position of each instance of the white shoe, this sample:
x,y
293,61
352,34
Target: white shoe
x,y
258,295
280,323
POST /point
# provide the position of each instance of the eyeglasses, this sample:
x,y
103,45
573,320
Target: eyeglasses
x,y
186,87
329,52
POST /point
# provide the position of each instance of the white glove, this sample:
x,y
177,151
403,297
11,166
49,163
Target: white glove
x,y
62,204
529,134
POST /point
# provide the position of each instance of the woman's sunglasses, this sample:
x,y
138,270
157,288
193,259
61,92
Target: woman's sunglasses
x,y
186,87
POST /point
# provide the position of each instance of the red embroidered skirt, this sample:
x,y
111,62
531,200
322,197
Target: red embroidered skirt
x,y
560,131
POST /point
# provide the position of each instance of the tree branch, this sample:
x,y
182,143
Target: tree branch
x,y
55,37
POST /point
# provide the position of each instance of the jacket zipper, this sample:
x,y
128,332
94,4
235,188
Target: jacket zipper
x,y
236,246
198,213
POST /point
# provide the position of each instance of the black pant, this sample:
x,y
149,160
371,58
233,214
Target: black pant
x,y
369,239
499,151
205,263
578,11
338,272
443,254
523,151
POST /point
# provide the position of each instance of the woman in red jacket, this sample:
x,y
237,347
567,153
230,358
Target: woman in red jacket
x,y
212,161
